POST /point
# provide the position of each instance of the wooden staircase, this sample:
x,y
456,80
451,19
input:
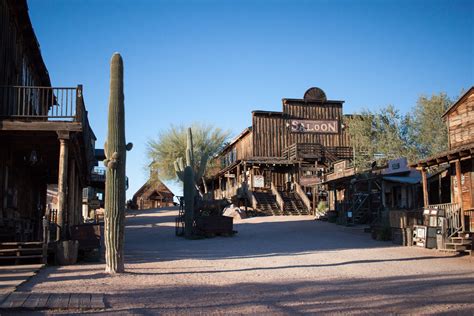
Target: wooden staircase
x,y
22,252
266,203
293,204
461,242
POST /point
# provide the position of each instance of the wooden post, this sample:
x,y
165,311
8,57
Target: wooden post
x,y
62,184
314,199
425,187
71,194
459,187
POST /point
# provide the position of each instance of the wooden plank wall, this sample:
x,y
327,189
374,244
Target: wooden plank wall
x,y
17,64
272,135
461,123
244,147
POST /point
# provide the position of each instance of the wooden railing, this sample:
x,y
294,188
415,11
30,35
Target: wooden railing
x,y
46,103
303,197
279,199
452,212
316,151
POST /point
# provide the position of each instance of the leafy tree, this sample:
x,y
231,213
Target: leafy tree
x,y
379,136
429,132
386,134
171,144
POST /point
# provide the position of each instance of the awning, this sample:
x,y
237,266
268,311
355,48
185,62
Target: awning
x,y
407,180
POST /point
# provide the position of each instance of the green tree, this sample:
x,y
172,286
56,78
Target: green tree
x,y
379,136
428,130
171,145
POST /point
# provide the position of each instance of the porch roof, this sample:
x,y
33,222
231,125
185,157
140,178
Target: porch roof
x,y
401,179
446,157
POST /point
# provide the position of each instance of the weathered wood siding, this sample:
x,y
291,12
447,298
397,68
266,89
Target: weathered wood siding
x,y
460,122
272,133
20,58
244,147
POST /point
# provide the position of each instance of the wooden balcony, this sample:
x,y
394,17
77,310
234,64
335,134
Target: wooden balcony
x,y
47,109
315,151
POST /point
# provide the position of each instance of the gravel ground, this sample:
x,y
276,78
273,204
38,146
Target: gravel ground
x,y
274,265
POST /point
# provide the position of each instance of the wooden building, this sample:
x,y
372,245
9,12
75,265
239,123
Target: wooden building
x,y
368,197
45,135
153,194
456,167
276,164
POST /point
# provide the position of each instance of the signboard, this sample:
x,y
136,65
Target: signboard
x,y
258,181
396,166
320,126
308,181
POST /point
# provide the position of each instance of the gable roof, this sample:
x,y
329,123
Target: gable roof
x,y
153,186
459,101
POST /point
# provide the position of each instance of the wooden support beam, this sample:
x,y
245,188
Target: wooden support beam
x,y
459,188
425,187
71,203
40,126
62,185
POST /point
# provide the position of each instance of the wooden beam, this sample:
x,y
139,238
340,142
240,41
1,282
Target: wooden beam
x,y
62,186
40,126
425,188
459,187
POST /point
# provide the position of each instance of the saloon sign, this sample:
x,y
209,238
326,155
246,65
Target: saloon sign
x,y
321,126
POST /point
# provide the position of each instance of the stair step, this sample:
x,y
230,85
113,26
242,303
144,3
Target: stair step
x,y
21,257
20,249
21,243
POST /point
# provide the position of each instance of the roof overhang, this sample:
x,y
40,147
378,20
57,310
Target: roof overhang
x,y
446,157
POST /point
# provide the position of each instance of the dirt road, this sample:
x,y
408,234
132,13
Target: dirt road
x,y
274,265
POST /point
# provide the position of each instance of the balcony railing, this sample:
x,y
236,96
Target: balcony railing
x,y
453,214
316,151
40,103
48,104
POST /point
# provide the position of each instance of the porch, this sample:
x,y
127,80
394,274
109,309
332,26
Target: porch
x,y
48,146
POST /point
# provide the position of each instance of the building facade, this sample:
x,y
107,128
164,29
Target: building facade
x,y
277,163
46,138
153,194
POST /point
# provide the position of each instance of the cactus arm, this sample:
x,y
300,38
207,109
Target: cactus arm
x,y
202,167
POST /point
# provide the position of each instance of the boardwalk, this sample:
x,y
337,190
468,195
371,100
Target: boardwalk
x,y
274,265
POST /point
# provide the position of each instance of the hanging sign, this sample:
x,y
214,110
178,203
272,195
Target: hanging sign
x,y
308,181
258,181
320,126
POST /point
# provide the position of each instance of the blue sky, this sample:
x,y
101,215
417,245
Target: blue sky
x,y
215,61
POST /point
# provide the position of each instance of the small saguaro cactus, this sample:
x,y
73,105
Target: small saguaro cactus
x,y
115,153
189,177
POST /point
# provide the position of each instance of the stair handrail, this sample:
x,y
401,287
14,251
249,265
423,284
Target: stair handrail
x,y
302,195
279,199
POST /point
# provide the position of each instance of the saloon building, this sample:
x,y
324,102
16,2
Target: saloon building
x,y
276,164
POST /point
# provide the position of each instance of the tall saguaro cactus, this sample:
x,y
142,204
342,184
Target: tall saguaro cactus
x,y
115,153
189,176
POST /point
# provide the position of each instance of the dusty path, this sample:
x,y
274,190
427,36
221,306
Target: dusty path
x,y
274,265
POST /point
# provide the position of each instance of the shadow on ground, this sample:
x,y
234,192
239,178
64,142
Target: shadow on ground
x,y
401,295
